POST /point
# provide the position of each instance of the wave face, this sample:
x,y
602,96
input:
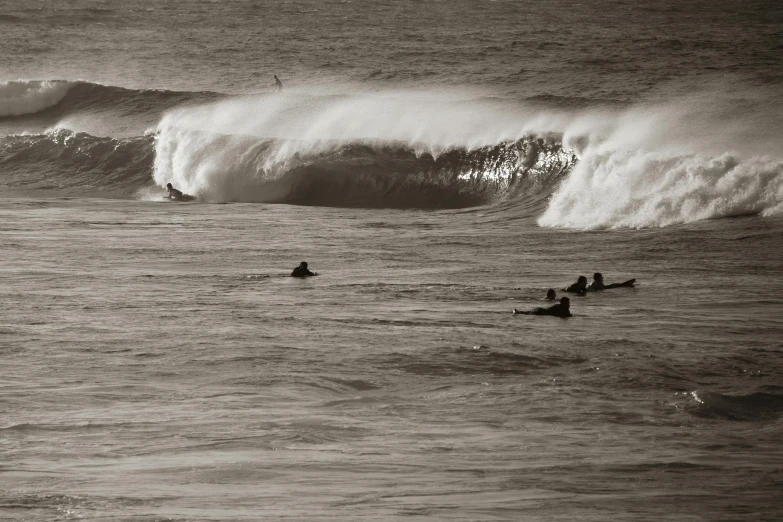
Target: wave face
x,y
357,174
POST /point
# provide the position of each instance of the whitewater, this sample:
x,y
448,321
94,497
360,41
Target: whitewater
x,y
437,165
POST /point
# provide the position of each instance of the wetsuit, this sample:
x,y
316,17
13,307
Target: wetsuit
x,y
576,288
301,271
175,194
558,310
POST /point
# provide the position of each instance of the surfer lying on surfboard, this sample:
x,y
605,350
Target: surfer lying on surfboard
x,y
579,288
177,194
561,309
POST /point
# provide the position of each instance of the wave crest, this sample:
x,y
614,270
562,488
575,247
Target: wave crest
x,y
21,97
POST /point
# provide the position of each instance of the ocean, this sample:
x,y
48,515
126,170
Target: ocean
x,y
438,164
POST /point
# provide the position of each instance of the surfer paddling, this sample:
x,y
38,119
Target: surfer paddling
x,y
561,309
578,288
278,84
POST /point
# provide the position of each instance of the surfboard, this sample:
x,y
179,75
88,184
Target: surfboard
x,y
185,198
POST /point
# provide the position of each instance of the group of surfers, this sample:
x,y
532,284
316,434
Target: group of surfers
x,y
563,308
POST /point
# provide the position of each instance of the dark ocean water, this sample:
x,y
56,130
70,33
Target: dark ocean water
x,y
438,163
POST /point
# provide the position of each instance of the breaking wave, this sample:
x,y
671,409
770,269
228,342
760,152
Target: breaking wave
x,y
648,166
347,175
709,156
390,149
713,154
356,174
650,189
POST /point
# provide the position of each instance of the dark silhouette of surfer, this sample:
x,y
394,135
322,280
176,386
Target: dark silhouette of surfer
x,y
278,84
174,193
578,288
302,271
551,295
598,283
177,195
561,309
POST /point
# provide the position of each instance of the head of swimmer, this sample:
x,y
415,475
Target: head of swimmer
x,y
168,186
598,277
582,281
550,294
565,302
303,264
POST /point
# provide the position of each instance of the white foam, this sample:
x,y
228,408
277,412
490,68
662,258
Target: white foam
x,y
674,162
653,189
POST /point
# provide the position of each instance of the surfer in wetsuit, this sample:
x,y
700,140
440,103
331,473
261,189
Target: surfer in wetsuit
x,y
278,84
551,295
302,271
578,288
598,283
561,309
174,193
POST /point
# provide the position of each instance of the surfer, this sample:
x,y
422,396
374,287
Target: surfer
x,y
578,288
561,309
302,271
174,193
551,295
598,283
278,84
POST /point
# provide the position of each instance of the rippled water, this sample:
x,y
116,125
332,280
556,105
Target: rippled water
x,y
159,363
589,50
452,161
